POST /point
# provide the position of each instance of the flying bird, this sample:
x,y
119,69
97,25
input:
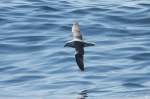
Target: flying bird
x,y
78,43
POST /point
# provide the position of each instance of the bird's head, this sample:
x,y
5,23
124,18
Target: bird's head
x,y
67,44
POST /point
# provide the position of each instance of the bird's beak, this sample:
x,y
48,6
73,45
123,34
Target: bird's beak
x,y
65,45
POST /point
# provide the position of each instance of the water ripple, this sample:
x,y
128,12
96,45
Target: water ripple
x,y
35,64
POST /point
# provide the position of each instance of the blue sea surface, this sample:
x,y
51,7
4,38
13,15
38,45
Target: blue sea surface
x,y
34,64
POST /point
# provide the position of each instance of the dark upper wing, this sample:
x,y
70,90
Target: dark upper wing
x,y
79,60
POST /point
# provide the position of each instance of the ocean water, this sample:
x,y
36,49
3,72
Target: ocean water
x,y
34,64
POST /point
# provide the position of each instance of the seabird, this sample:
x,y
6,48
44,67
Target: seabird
x,y
78,43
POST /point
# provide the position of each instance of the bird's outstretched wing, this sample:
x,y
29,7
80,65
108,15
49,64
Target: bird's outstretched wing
x,y
79,60
76,31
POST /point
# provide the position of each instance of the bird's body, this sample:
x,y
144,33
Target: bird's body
x,y
78,44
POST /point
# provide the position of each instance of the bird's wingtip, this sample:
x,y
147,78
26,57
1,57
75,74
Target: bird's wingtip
x,y
75,22
82,69
79,60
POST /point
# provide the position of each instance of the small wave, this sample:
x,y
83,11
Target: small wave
x,y
141,57
15,49
133,85
48,8
22,79
8,68
144,4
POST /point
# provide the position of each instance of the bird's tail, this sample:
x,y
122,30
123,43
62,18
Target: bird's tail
x,y
86,44
73,44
